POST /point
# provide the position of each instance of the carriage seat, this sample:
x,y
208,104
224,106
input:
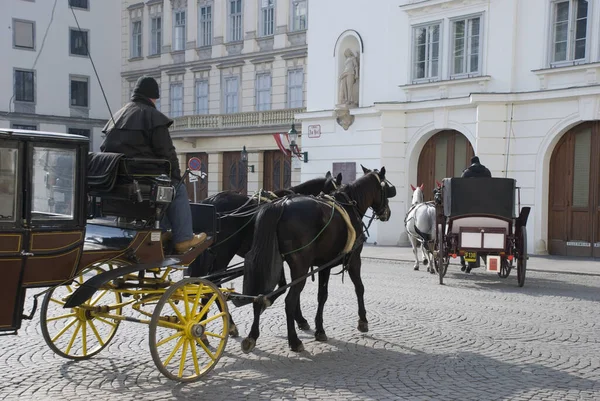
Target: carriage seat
x,y
479,196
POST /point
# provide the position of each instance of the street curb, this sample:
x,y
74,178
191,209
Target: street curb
x,y
458,264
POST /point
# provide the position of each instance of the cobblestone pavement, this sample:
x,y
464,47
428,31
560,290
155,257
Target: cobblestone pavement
x,y
477,337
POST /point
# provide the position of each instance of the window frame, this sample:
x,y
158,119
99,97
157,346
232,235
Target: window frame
x,y
226,94
172,99
428,25
290,87
133,45
17,221
156,34
79,78
294,18
571,34
197,83
79,7
175,26
231,17
263,29
86,43
24,126
205,35
466,18
263,106
34,94
14,36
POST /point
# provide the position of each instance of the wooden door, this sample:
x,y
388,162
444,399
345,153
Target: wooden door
x,y
574,198
235,173
445,155
201,190
277,170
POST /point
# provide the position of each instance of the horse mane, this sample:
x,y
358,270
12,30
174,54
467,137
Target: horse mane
x,y
316,182
355,191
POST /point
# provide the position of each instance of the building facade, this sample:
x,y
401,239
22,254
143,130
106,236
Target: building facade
x,y
434,81
46,78
232,74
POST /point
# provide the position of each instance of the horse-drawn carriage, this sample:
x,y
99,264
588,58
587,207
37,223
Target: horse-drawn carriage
x,y
87,227
475,217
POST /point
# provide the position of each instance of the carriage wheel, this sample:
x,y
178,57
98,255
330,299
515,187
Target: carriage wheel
x,y
189,329
522,260
76,333
505,267
442,265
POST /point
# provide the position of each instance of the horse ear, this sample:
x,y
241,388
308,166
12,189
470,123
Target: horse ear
x,y
438,183
421,186
382,172
412,187
338,179
365,170
328,174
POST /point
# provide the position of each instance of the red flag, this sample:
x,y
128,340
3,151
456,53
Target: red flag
x,y
280,145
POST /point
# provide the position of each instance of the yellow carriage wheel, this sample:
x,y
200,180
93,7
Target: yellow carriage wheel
x,y
77,333
189,329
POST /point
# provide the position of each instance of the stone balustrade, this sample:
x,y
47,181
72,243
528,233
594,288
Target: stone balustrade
x,y
237,120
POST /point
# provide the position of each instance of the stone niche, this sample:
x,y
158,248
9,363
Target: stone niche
x,y
348,57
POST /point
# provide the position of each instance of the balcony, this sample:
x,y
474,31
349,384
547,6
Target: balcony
x,y
253,121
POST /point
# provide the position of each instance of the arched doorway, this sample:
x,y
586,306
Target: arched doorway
x,y
574,198
446,154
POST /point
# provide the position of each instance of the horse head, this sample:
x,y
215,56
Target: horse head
x,y
385,190
332,184
417,194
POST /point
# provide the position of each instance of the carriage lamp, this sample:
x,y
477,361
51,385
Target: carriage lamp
x,y
293,135
163,192
245,160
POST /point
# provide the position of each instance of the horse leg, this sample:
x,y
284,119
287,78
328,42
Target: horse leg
x,y
413,242
249,342
291,304
322,298
302,322
354,271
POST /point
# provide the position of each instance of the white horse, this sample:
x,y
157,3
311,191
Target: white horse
x,y
420,226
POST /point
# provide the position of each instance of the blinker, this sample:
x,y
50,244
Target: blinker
x,y
390,191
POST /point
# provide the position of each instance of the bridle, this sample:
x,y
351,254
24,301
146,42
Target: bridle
x,y
388,190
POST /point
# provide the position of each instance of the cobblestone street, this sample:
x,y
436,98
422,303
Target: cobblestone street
x,y
477,337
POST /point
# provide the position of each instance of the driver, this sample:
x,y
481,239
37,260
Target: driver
x,y
139,130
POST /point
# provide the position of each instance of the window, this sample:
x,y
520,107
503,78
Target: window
x,y
299,15
205,26
136,39
295,89
263,92
23,34
231,95
25,127
569,30
155,35
202,97
79,4
80,131
267,17
53,176
8,183
157,104
235,20
24,86
426,52
79,42
179,31
79,92
466,54
176,100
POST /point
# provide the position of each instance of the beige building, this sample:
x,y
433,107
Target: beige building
x,y
232,73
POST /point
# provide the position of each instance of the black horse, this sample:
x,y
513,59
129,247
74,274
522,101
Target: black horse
x,y
305,232
236,214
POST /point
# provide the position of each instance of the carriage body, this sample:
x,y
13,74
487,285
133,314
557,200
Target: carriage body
x,y
478,217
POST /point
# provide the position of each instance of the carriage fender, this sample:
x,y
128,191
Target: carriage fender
x,y
523,216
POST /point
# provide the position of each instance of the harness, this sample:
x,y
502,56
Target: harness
x,y
415,207
351,231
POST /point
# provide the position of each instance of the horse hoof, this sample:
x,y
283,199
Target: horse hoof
x,y
416,268
248,344
463,268
363,326
233,331
298,347
432,271
304,326
321,336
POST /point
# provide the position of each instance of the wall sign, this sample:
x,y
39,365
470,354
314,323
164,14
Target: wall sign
x,y
314,131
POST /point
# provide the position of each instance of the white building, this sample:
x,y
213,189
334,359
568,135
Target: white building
x,y
517,82
47,81
231,74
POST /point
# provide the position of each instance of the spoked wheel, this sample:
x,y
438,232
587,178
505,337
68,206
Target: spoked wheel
x,y
505,267
522,259
189,329
76,333
441,259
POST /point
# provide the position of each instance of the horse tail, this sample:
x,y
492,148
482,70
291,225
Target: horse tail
x,y
426,237
263,264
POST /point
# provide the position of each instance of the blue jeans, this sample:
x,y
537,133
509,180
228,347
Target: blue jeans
x,y
179,216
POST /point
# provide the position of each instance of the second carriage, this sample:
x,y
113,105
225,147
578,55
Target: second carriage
x,y
477,217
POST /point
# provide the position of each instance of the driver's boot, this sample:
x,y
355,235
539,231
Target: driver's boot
x,y
196,240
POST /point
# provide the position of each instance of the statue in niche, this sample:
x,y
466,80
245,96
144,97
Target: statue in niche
x,y
347,79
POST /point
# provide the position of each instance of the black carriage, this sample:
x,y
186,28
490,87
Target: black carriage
x,y
475,217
